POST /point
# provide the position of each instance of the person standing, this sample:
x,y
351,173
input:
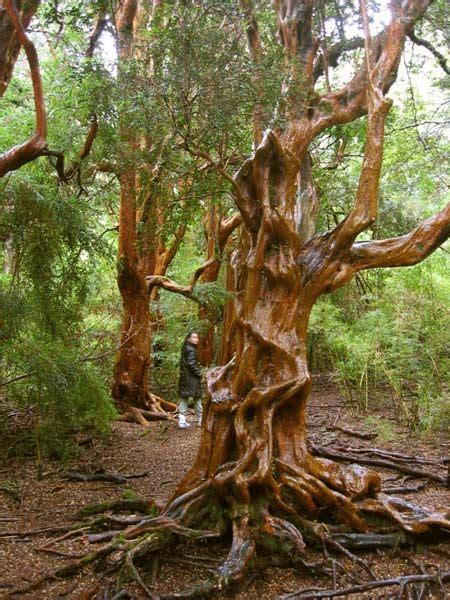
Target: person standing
x,y
190,383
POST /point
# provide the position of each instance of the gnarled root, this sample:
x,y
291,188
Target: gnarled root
x,y
278,521
156,409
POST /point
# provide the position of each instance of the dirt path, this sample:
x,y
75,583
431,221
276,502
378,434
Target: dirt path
x,y
165,453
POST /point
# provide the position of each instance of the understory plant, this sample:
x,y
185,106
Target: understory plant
x,y
394,347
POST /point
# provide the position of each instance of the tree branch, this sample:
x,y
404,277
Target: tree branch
x,y
198,272
215,165
168,284
67,175
28,151
402,582
350,102
334,53
365,209
426,44
254,46
99,27
405,250
226,228
10,44
169,254
184,290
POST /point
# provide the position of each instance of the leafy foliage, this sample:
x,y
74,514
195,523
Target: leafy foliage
x,y
394,345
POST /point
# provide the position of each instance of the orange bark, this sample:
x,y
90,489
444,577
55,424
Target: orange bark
x,y
141,250
10,42
217,232
34,147
254,475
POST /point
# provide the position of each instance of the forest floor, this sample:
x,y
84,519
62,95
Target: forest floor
x,y
164,453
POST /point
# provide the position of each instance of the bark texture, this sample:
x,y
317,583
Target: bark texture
x,y
217,233
254,464
13,24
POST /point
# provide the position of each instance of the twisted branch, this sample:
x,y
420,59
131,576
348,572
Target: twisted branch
x,y
26,152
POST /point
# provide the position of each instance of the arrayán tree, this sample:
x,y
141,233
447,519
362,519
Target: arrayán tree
x,y
254,477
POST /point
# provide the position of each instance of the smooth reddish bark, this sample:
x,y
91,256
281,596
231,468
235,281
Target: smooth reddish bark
x,y
10,42
37,144
217,232
254,475
141,251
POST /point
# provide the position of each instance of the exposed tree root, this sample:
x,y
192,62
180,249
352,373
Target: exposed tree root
x,y
123,504
280,523
153,408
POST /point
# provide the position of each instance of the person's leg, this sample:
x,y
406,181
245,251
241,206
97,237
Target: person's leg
x,y
199,409
182,410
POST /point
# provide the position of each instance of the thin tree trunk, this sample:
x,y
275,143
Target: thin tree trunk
x,y
206,346
218,231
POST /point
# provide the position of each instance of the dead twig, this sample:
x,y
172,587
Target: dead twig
x,y
379,462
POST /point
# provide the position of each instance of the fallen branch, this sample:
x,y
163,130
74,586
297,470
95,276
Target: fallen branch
x,y
58,552
404,581
395,456
85,477
103,476
378,462
369,541
405,489
28,532
358,434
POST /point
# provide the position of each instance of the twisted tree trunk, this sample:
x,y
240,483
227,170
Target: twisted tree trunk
x,y
254,445
254,472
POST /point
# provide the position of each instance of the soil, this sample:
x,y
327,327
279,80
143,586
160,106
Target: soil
x,y
164,453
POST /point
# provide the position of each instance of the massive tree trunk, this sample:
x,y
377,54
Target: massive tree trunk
x,y
254,446
130,376
253,463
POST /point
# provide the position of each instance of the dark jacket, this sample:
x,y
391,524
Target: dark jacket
x,y
190,374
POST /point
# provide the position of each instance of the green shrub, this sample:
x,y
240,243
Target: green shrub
x,y
396,344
